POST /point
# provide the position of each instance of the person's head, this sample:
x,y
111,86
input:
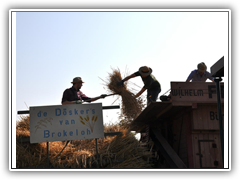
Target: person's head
x,y
201,68
77,82
145,71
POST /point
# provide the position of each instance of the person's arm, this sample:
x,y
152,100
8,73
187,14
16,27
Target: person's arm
x,y
140,92
190,77
87,100
92,99
210,77
96,98
120,83
129,77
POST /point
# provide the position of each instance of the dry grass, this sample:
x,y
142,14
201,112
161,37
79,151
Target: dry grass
x,y
131,106
119,151
82,153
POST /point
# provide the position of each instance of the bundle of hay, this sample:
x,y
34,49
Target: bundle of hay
x,y
81,153
126,147
131,106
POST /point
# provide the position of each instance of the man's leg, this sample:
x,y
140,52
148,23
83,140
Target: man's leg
x,y
152,95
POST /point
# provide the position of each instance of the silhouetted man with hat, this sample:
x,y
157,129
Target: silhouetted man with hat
x,y
151,84
73,95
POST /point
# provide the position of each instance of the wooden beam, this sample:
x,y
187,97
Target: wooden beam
x,y
111,107
166,150
22,140
204,92
103,108
164,110
23,112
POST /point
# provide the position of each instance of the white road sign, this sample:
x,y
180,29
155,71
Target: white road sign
x,y
66,122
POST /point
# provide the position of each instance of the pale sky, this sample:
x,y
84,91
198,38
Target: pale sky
x,y
54,47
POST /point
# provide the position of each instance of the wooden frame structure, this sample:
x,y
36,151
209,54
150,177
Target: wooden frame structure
x,y
185,130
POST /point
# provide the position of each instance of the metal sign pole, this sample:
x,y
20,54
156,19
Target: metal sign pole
x,y
96,148
217,80
47,154
97,151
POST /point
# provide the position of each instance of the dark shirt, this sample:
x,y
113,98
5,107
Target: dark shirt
x,y
150,82
71,94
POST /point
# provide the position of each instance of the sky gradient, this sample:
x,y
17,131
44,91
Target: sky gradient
x,y
54,47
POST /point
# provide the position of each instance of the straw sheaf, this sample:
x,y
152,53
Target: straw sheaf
x,y
82,153
131,106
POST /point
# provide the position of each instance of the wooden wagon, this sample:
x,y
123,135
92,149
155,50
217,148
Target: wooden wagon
x,y
185,130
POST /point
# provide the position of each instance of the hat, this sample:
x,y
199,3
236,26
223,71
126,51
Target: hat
x,y
202,67
77,79
144,70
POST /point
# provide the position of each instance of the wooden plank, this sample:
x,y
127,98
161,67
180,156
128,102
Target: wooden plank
x,y
206,163
196,151
208,154
212,151
175,134
181,103
210,120
194,92
184,139
218,151
110,107
149,114
170,155
199,118
200,137
207,150
23,112
205,118
194,119
189,141
202,146
164,110
104,108
22,140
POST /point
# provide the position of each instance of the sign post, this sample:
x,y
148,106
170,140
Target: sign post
x,y
218,80
198,92
66,122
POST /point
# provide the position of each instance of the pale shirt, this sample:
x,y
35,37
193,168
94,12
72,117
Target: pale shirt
x,y
195,76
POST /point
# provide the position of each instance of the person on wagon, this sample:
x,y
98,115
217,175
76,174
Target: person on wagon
x,y
199,74
73,95
151,84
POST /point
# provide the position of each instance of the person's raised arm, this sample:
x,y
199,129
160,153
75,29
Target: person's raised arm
x,y
140,92
126,79
129,77
96,98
